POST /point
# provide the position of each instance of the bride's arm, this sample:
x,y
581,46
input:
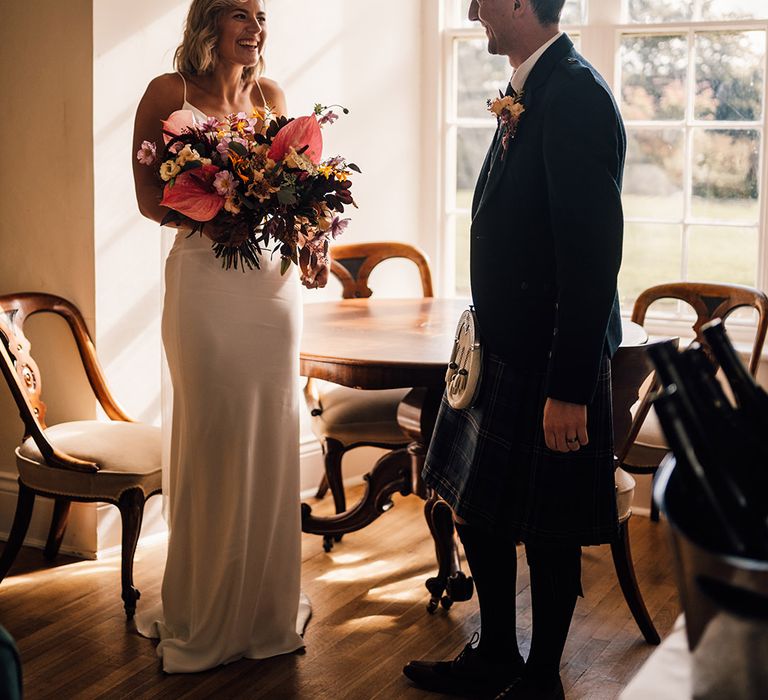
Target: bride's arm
x,y
163,96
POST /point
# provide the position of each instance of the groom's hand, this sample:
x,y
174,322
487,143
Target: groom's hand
x,y
565,425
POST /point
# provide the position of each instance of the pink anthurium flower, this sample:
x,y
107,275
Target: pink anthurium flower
x,y
176,123
194,194
301,132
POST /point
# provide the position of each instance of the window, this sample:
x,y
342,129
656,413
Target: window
x,y
690,79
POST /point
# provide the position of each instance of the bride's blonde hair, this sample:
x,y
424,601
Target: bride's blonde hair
x,y
196,55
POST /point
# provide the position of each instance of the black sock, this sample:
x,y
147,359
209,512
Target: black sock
x,y
493,563
555,586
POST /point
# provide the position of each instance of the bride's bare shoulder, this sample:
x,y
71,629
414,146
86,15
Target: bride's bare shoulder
x,y
273,94
164,94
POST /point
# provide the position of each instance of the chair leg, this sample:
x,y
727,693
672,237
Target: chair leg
x,y
334,451
322,488
131,507
625,570
59,523
24,506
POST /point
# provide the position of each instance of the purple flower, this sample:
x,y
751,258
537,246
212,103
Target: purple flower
x,y
147,154
223,146
224,183
328,118
210,124
338,226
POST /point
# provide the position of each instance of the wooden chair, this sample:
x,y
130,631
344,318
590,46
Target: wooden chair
x,y
630,370
647,445
345,418
116,462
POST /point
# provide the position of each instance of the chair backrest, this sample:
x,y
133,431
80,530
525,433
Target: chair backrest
x,y
353,263
22,374
711,301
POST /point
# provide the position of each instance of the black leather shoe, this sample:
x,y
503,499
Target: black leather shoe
x,y
531,688
469,675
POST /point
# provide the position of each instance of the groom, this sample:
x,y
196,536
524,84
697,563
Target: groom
x,y
532,460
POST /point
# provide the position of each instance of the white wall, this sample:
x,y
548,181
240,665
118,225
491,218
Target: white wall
x,y
46,221
76,232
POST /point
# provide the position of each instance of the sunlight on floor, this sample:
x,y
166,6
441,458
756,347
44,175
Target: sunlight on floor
x,y
410,589
355,573
376,623
348,558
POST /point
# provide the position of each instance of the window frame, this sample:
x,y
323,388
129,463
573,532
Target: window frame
x,y
604,24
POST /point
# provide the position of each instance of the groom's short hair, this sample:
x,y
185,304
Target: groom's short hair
x,y
548,11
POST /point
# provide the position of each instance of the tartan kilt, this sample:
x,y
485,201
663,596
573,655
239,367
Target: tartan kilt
x,y
490,462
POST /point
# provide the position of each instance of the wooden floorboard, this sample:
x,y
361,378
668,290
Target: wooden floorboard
x,y
369,618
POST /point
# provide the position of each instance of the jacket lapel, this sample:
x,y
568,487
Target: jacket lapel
x,y
538,76
484,172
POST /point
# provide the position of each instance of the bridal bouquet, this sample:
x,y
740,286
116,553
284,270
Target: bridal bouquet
x,y
266,185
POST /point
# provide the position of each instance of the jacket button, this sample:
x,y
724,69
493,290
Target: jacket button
x,y
524,286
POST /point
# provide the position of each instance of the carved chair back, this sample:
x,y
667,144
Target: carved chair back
x,y
353,263
711,301
22,374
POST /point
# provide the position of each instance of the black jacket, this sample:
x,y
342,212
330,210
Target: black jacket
x,y
547,228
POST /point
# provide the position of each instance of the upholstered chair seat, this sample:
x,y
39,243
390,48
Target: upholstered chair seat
x,y
625,493
128,455
351,416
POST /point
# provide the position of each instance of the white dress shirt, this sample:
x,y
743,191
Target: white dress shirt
x,y
524,69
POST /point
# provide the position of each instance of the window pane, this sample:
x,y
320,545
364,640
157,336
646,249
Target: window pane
x,y
653,174
480,76
725,174
660,10
471,147
729,75
722,254
653,76
652,255
573,12
734,9
461,10
462,222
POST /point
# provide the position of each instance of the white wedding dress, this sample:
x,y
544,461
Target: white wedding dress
x,y
231,587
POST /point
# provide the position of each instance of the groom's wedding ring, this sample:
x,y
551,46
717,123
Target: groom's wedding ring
x,y
571,440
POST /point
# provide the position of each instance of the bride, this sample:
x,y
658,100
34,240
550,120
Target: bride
x,y
231,582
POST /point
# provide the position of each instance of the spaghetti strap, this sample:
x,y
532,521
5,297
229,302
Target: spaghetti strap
x,y
261,92
185,88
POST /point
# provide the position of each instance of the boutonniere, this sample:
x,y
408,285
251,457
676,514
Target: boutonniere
x,y
508,111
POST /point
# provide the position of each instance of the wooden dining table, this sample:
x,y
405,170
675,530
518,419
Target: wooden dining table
x,y
388,344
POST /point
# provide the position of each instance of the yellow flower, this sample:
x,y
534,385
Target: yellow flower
x,y
299,161
231,205
186,154
502,103
326,171
169,170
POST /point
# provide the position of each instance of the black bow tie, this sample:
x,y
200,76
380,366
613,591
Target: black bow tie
x,y
510,92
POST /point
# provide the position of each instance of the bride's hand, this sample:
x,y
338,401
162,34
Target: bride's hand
x,y
316,278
